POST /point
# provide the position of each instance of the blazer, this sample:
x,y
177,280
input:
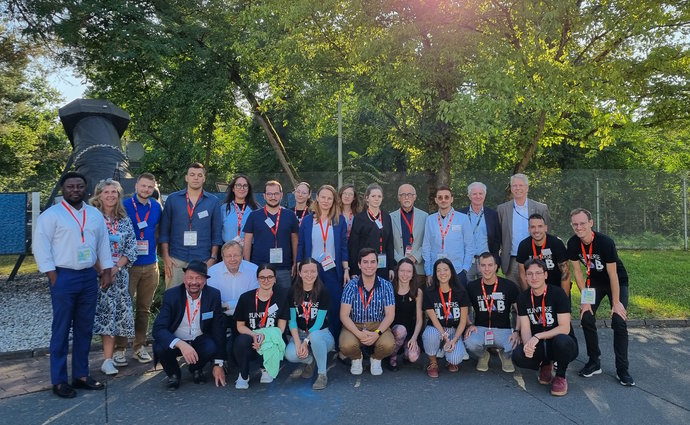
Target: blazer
x,y
505,218
305,245
493,229
365,234
173,311
417,236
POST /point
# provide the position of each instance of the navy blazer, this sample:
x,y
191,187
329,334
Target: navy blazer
x,y
173,311
305,246
493,229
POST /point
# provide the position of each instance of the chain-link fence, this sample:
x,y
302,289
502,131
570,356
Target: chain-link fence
x,y
638,208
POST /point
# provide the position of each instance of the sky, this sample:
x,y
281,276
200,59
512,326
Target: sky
x,y
70,86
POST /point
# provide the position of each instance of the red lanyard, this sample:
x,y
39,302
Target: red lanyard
x,y
190,211
83,221
378,219
136,212
541,251
588,258
256,307
191,319
444,233
349,224
361,295
486,299
324,235
408,223
112,228
299,219
446,312
274,229
306,312
542,320
240,214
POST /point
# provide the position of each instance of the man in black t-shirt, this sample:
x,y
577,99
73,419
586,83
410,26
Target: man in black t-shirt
x,y
605,276
492,298
547,248
544,321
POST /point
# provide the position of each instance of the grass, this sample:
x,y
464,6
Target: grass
x,y
658,284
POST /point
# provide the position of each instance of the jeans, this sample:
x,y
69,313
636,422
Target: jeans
x,y
475,343
562,349
432,344
321,343
283,279
619,326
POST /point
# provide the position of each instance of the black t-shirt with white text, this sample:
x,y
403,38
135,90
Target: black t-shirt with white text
x,y
251,310
603,252
506,295
553,254
323,303
458,298
556,302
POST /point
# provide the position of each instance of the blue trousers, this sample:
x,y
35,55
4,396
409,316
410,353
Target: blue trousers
x,y
204,346
335,289
74,306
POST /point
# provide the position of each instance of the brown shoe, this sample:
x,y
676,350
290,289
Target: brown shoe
x,y
545,373
452,368
432,370
559,386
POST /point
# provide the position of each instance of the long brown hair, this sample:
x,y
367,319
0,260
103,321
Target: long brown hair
x,y
356,208
413,281
298,287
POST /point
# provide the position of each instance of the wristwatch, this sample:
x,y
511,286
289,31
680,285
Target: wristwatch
x,y
378,331
219,363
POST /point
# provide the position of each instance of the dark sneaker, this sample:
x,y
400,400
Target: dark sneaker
x,y
591,368
545,373
559,386
625,378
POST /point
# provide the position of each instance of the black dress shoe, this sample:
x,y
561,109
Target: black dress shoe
x,y
198,376
391,367
173,382
88,384
63,390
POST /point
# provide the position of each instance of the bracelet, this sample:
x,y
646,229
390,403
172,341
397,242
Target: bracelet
x,y
516,330
538,339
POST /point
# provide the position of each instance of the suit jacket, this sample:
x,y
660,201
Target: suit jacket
x,y
173,311
505,218
417,236
365,234
305,245
493,229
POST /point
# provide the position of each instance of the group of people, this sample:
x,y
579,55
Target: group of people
x,y
327,275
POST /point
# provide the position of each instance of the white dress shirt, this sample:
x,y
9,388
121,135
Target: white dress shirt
x,y
231,286
190,326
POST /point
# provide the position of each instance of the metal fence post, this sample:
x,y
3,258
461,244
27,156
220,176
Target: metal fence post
x,y
685,212
598,212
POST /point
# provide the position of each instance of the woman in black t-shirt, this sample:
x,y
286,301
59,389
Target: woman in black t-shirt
x,y
408,313
446,304
257,310
309,302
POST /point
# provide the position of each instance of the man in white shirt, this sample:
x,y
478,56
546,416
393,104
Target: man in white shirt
x,y
70,238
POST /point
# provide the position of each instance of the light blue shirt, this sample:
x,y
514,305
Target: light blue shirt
x,y
480,242
317,241
230,220
231,286
457,245
520,226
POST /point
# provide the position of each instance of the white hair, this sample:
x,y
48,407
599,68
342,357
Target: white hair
x,y
519,176
476,184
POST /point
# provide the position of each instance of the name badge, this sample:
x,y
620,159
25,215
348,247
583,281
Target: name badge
x,y
84,255
589,296
327,262
269,222
497,295
207,315
142,225
272,309
382,261
114,238
408,250
441,255
456,228
237,239
546,251
190,238
276,255
489,338
116,257
226,308
202,214
379,224
142,247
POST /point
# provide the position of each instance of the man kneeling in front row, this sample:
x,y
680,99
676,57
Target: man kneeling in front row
x,y
544,316
191,324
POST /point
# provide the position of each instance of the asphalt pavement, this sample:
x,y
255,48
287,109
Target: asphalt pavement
x,y
658,359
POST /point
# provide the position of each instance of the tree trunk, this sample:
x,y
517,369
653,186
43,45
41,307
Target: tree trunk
x,y
521,166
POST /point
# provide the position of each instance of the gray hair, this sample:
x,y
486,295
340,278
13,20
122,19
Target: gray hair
x,y
519,176
476,184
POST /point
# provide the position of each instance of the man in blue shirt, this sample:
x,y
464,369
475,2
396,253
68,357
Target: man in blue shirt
x,y
191,226
367,311
145,213
486,233
271,234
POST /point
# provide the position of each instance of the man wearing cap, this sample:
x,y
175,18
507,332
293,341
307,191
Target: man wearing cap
x,y
191,324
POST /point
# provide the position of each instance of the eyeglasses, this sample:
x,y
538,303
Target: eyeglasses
x,y
272,194
266,278
406,195
534,274
443,197
241,186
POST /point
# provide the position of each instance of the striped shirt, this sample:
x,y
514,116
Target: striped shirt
x,y
383,297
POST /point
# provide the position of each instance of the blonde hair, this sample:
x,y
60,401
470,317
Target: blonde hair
x,y
95,200
334,213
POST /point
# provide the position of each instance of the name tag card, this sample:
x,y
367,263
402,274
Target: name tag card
x,y
382,261
441,255
190,238
327,262
589,296
379,224
114,238
202,214
269,222
276,255
142,225
84,255
489,338
456,228
408,250
142,247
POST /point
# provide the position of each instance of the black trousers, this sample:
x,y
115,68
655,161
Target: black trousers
x,y
619,326
562,349
205,348
244,353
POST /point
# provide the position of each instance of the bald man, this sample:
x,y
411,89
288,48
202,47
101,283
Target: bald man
x,y
408,228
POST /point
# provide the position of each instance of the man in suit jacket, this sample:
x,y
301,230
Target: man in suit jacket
x,y
486,232
191,324
514,219
408,229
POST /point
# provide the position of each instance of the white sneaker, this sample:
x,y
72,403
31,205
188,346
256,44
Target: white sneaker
x,y
466,356
356,367
142,355
119,358
108,367
376,367
441,353
506,362
241,384
265,377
